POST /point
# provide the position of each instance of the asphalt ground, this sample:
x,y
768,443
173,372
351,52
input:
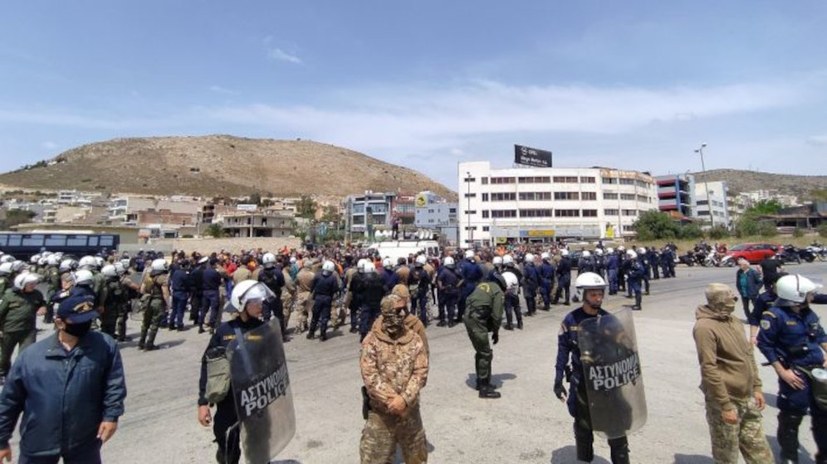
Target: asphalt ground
x,y
527,425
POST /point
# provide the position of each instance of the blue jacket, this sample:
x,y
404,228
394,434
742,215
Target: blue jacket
x,y
63,396
752,284
794,337
390,278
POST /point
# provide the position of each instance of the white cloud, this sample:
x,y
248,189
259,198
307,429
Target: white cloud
x,y
281,55
818,140
48,145
222,90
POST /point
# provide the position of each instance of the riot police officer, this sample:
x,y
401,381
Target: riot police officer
x,y
563,278
531,282
593,288
546,279
634,278
418,284
471,275
324,287
447,280
793,341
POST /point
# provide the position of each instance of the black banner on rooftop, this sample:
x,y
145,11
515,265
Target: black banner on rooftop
x,y
532,157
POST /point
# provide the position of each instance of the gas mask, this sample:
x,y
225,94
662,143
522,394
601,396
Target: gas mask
x,y
78,330
394,312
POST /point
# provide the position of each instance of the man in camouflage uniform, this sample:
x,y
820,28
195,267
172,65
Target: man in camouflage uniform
x,y
156,286
730,381
304,301
394,368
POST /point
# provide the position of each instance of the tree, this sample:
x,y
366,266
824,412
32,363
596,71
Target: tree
x,y
15,217
653,225
763,208
306,207
255,199
215,230
331,214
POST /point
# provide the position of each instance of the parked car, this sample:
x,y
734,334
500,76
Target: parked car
x,y
753,252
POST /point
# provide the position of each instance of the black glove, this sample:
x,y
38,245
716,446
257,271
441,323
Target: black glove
x,y
559,390
495,337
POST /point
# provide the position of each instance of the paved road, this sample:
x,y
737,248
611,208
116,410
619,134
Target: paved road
x,y
528,425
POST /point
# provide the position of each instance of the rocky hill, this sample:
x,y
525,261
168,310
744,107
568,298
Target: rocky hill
x,y
745,181
219,165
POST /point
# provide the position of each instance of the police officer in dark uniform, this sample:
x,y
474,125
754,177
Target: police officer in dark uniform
x,y
531,282
612,270
793,341
418,284
593,287
370,291
512,298
653,257
196,285
247,302
471,275
211,283
546,280
273,277
563,278
634,278
179,283
447,280
324,287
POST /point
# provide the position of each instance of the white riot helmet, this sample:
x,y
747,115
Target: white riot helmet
x,y
88,263
610,250
511,282
6,259
34,259
795,288
292,260
449,262
99,262
25,279
42,261
328,267
497,261
621,248
598,252
125,263
564,252
247,291
587,253
53,260
360,265
529,258
631,254
387,263
545,256
508,260
109,271
641,251
159,265
84,277
18,266
421,260
369,267
5,269
589,281
268,260
469,254
119,268
67,265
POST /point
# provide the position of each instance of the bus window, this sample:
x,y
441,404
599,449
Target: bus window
x,y
76,241
33,240
3,240
93,241
107,241
55,241
14,240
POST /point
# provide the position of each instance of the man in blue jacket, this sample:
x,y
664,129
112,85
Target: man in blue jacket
x,y
749,284
72,383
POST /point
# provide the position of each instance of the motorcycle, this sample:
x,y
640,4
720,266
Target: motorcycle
x,y
727,261
712,259
789,255
689,259
818,250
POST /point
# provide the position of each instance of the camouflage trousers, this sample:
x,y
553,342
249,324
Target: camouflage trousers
x,y
747,436
304,306
383,432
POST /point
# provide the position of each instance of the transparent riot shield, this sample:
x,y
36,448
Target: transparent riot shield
x,y
262,393
612,374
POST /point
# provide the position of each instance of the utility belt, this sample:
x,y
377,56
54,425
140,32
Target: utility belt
x,y
481,313
818,383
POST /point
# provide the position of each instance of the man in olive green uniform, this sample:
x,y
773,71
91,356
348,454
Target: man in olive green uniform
x,y
484,313
394,367
304,300
157,287
115,301
19,308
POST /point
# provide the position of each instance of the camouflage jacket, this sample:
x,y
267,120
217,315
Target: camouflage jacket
x,y
393,367
304,280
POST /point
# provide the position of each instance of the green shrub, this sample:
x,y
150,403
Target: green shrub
x,y
822,230
798,232
718,232
767,229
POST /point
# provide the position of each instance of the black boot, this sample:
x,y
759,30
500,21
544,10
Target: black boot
x,y
619,450
142,340
201,329
787,434
150,341
479,384
520,324
584,441
509,327
311,335
487,390
638,300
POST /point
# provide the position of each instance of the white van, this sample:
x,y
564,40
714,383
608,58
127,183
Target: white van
x,y
395,249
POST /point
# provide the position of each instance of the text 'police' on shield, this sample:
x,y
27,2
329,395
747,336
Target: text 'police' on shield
x,y
617,374
260,394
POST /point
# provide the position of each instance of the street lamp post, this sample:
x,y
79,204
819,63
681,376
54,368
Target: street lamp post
x,y
706,186
468,208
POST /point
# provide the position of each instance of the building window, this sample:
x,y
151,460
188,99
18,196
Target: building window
x,y
503,213
534,180
535,196
485,228
629,212
627,181
470,195
503,196
610,212
627,196
566,213
471,211
469,179
566,195
452,210
470,227
484,197
702,202
609,180
485,214
589,213
535,213
643,199
588,196
609,196
587,180
503,180
565,179
628,228
484,180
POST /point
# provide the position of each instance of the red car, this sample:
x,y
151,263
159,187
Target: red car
x,y
753,252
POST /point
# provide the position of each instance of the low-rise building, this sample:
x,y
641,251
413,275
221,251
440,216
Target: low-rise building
x,y
676,194
367,212
436,214
257,224
711,200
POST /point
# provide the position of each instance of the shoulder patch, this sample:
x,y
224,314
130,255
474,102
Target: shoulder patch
x,y
765,324
769,313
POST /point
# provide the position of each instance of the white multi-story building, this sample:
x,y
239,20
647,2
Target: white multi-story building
x,y
716,202
544,204
435,213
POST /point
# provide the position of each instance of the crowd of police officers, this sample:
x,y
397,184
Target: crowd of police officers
x,y
324,286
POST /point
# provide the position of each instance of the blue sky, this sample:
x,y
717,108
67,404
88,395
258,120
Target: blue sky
x,y
427,84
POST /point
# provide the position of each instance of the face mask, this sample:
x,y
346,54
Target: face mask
x,y
78,330
393,324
